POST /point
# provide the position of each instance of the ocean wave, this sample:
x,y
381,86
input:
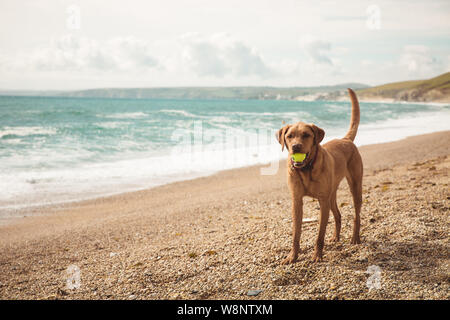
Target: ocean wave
x,y
12,141
336,108
110,124
256,113
222,119
25,131
124,115
181,112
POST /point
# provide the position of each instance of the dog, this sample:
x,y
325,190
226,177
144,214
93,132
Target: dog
x,y
319,174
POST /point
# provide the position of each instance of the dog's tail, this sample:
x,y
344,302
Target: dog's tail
x,y
354,121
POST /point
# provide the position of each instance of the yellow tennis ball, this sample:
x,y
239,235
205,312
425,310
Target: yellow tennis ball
x,y
299,157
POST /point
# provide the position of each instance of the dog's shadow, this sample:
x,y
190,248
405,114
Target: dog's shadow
x,y
414,260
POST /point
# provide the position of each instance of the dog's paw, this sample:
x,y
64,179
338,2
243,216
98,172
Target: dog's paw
x,y
317,257
335,239
289,259
355,240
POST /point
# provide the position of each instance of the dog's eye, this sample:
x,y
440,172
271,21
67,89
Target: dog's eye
x,y
305,135
290,136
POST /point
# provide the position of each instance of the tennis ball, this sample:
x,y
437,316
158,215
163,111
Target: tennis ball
x,y
299,157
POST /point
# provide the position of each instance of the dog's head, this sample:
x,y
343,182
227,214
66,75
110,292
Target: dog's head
x,y
300,138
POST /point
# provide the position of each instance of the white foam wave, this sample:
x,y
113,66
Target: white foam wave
x,y
180,112
26,131
37,187
110,124
124,115
395,129
12,141
336,108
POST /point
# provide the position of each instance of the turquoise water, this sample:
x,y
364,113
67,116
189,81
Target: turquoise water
x,y
60,149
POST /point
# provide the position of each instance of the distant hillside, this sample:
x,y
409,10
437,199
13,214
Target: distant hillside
x,y
261,93
432,90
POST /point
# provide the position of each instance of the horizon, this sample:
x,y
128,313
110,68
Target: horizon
x,y
189,87
64,46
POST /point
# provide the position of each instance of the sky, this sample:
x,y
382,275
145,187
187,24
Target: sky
x,y
71,45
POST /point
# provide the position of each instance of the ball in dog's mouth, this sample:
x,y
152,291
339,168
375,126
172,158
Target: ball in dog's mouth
x,y
298,159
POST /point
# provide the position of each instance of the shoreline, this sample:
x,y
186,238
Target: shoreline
x,y
393,101
219,236
438,103
11,212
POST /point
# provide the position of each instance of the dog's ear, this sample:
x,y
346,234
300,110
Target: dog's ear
x,y
319,133
280,135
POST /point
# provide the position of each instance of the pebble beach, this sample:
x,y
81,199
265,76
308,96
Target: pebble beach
x,y
224,237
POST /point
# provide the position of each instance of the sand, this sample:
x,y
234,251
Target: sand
x,y
220,236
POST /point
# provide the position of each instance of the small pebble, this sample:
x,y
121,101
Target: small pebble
x,y
253,293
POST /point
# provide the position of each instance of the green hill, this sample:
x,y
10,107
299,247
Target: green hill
x,y
435,89
262,93
432,90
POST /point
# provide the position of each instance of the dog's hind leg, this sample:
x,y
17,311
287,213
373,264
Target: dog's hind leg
x,y
354,179
337,218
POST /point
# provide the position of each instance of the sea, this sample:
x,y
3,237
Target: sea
x,y
57,149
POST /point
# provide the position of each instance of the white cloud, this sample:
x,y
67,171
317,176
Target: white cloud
x,y
72,53
419,61
323,61
367,63
316,49
220,55
95,59
129,53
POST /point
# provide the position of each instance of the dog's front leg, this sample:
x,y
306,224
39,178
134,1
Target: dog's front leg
x,y
297,218
324,215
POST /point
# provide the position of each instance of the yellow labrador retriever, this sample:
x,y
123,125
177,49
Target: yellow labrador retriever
x,y
319,175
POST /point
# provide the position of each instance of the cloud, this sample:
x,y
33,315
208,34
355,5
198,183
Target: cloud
x,y
221,55
419,61
322,61
72,53
316,49
129,53
367,63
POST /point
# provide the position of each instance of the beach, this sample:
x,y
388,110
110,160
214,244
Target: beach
x,y
218,237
